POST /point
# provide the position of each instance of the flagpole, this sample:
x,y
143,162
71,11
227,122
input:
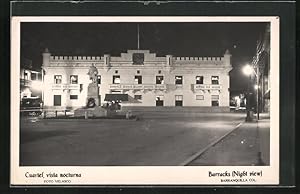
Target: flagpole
x,y
138,36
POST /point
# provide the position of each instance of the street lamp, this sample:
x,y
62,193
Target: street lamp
x,y
37,85
249,70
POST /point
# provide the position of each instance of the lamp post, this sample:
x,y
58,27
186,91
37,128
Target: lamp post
x,y
249,70
256,87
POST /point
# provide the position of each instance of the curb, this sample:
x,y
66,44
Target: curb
x,y
196,155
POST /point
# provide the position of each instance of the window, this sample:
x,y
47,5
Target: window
x,y
98,79
215,80
73,97
80,87
178,80
199,79
57,100
159,100
138,79
57,79
26,75
116,92
159,71
116,71
159,79
33,76
178,100
74,79
215,100
199,97
138,71
116,79
138,97
40,76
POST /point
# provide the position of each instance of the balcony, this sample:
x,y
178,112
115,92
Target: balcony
x,y
137,87
65,86
25,82
197,87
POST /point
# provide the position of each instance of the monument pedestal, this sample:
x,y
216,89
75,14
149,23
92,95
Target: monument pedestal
x,y
93,92
95,111
90,112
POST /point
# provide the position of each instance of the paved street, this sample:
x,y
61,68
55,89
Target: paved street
x,y
247,145
149,141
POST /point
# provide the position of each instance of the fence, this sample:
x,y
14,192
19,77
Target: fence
x,y
46,113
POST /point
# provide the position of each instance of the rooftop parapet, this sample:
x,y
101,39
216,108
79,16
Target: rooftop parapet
x,y
169,60
76,58
199,58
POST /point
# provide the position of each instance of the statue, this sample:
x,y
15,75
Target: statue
x,y
93,88
93,72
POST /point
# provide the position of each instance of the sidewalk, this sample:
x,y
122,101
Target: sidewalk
x,y
247,145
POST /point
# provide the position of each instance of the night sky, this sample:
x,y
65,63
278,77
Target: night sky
x,y
178,39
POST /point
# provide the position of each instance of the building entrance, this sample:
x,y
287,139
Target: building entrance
x,y
159,100
57,100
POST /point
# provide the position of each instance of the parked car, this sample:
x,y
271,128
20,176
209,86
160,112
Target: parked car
x,y
31,106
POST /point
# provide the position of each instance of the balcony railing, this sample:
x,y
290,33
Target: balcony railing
x,y
65,87
137,87
25,82
196,87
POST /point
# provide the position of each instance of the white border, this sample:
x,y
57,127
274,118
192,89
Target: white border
x,y
136,175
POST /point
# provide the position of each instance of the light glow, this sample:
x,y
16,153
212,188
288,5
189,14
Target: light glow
x,y
248,70
37,85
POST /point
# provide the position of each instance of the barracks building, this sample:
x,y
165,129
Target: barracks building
x,y
139,79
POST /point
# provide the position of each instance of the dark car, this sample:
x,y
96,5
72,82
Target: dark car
x,y
32,106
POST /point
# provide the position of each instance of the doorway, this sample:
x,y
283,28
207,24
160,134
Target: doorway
x,y
57,100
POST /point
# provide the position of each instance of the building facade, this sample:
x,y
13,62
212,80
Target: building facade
x,y
148,80
261,62
30,83
265,71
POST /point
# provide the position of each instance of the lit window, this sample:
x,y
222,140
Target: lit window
x,y
215,80
116,79
98,79
57,79
74,79
116,92
215,100
159,79
199,79
138,97
138,79
178,80
73,97
178,100
199,97
26,75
